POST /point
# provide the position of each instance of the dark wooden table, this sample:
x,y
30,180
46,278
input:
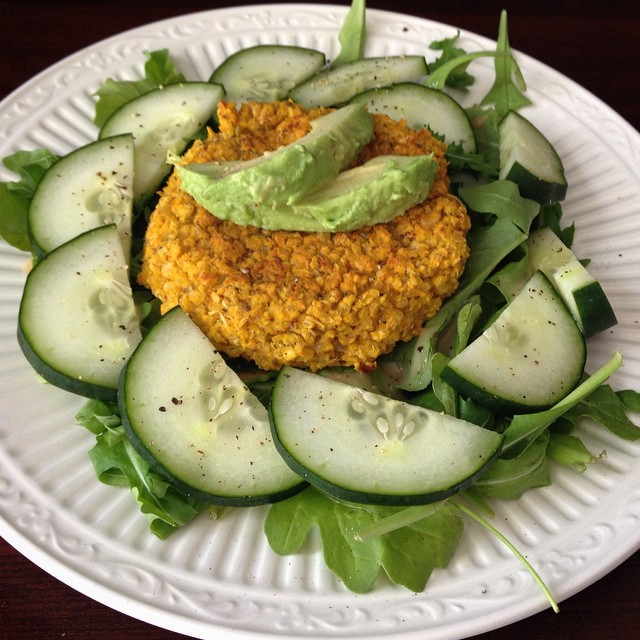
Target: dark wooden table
x,y
597,44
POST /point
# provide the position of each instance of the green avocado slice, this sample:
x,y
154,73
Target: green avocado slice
x,y
284,176
372,193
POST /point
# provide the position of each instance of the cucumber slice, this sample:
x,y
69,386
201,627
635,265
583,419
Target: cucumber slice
x,y
190,416
337,85
529,159
422,108
77,323
363,447
91,187
581,292
530,357
162,122
266,73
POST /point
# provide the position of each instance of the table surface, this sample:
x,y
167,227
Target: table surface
x,y
596,44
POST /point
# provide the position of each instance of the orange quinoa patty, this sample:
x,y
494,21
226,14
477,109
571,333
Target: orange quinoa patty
x,y
309,300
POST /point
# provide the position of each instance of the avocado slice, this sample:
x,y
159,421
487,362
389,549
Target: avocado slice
x,y
284,176
372,193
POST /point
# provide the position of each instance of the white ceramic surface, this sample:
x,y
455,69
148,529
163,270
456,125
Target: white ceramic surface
x,y
220,579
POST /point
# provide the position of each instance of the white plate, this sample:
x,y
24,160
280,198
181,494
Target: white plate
x,y
219,579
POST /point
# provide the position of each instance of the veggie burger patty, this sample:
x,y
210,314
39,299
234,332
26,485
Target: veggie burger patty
x,y
309,300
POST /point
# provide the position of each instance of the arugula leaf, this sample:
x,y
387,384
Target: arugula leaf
x,y
465,323
459,160
439,77
502,198
485,121
98,416
412,516
427,399
569,450
458,78
13,219
551,216
407,555
509,478
506,93
15,197
410,554
356,563
475,413
31,167
352,34
447,395
116,463
630,399
606,408
159,71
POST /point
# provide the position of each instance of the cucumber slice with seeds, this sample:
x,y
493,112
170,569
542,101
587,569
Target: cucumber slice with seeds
x,y
266,73
581,292
422,108
194,421
337,85
364,447
77,323
529,159
530,357
162,122
89,188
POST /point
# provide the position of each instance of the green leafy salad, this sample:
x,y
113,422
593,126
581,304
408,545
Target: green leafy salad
x,y
477,407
